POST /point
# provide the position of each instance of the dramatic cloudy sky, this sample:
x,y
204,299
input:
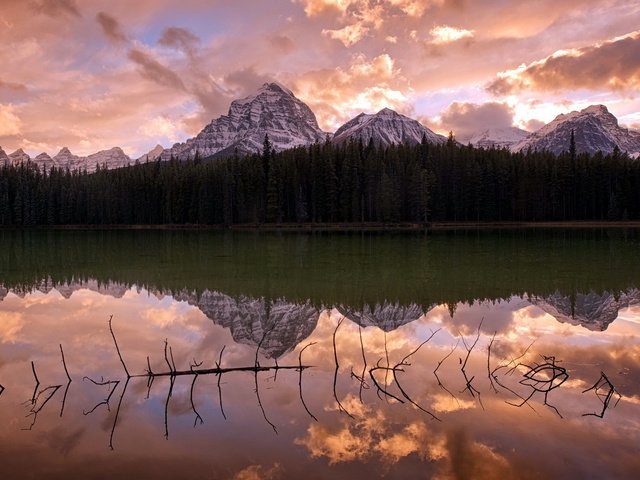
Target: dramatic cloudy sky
x,y
92,74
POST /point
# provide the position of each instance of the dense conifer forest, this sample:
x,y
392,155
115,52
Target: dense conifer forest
x,y
327,183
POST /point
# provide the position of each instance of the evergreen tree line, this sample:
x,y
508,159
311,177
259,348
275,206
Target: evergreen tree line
x,y
327,183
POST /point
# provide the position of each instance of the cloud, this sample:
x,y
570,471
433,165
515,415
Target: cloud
x,y
181,39
10,123
153,70
258,472
160,126
465,119
110,27
56,8
282,43
336,95
443,34
612,65
348,35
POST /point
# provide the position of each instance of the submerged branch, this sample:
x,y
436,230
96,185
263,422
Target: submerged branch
x,y
118,348
335,373
300,380
435,372
605,391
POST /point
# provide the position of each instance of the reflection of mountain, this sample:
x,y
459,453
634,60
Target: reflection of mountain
x,y
248,319
286,324
591,310
386,316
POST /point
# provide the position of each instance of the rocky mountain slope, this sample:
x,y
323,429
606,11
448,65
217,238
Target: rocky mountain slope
x,y
273,110
591,310
496,137
385,128
595,129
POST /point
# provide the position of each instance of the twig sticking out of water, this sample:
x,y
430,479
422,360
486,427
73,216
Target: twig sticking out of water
x,y
335,373
469,386
512,364
219,375
435,372
66,390
495,390
193,384
605,391
300,380
124,365
543,378
255,376
113,384
404,363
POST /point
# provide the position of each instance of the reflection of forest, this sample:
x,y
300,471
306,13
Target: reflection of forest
x,y
354,269
248,281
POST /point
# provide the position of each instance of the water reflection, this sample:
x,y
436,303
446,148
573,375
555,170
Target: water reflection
x,y
461,380
391,431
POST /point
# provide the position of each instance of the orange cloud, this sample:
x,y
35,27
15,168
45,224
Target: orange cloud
x,y
612,65
443,34
365,86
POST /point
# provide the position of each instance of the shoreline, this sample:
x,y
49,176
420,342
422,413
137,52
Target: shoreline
x,y
347,227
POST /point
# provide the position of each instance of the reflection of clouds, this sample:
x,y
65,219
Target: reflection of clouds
x,y
445,403
10,325
258,472
369,434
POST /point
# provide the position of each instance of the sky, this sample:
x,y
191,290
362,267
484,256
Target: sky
x,y
94,74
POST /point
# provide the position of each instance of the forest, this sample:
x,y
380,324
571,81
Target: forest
x,y
356,182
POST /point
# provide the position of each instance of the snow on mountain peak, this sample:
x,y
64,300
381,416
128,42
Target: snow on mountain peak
x,y
273,110
594,129
385,128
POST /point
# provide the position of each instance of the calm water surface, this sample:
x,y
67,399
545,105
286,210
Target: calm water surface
x,y
454,354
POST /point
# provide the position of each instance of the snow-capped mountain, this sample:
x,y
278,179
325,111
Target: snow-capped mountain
x,y
112,158
497,137
386,316
595,129
152,154
18,157
385,128
4,158
591,310
273,110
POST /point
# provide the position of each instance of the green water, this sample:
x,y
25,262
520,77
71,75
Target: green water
x,y
333,268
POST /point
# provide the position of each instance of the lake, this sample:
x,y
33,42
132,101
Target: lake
x,y
452,354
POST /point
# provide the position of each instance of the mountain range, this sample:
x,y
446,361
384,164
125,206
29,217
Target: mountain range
x,y
275,111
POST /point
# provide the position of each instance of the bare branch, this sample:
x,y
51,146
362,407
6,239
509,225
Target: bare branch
x,y
115,420
118,348
300,380
218,366
335,374
435,372
604,390
364,365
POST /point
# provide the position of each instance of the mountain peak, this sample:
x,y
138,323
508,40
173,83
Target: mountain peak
x,y
64,151
275,87
596,109
385,128
388,112
595,129
273,110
